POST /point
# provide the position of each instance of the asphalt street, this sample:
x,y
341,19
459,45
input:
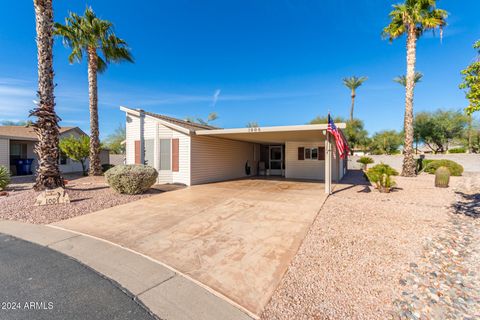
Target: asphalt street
x,y
37,283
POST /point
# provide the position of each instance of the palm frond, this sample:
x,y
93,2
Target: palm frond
x,y
88,32
403,79
354,82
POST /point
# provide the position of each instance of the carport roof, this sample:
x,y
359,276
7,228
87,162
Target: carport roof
x,y
278,134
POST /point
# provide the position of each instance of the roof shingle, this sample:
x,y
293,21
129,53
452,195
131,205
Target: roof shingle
x,y
192,126
21,132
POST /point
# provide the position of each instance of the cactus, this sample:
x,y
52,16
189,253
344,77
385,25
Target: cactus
x,y
442,177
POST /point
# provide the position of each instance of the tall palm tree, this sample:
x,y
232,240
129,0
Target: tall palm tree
x,y
353,83
46,125
413,18
93,37
403,79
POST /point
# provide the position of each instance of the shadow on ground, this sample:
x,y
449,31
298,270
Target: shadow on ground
x,y
469,204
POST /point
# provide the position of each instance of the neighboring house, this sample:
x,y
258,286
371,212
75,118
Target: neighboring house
x,y
191,153
18,142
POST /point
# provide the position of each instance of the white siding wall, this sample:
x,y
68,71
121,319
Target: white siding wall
x,y
216,159
155,130
183,174
132,134
5,153
303,169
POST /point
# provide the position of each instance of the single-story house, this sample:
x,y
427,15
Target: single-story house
x,y
18,142
190,153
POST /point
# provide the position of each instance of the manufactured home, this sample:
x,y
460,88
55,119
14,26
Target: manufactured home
x,y
17,144
190,153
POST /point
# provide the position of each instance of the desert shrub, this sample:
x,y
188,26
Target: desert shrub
x,y
131,179
454,168
457,150
365,161
4,178
381,176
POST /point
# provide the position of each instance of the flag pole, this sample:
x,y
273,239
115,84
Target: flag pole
x,y
328,162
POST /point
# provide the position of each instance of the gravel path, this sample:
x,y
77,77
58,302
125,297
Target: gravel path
x,y
87,194
359,248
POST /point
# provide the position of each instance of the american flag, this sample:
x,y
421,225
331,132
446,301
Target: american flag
x,y
340,141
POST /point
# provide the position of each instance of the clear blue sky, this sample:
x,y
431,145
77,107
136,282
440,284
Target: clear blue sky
x,y
276,62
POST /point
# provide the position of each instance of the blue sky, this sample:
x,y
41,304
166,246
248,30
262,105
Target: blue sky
x,y
275,62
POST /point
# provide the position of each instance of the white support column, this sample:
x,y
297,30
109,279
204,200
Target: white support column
x,y
328,164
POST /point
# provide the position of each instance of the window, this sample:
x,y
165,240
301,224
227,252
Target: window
x,y
165,154
308,153
311,153
62,158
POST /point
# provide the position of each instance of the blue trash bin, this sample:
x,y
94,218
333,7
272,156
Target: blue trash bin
x,y
24,166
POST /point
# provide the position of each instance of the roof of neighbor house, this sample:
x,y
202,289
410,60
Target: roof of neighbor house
x,y
182,123
26,133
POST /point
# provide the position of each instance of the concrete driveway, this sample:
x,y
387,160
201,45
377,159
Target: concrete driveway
x,y
236,237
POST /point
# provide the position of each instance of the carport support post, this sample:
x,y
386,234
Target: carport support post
x,y
328,164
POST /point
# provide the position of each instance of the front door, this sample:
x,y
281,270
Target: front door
x,y
276,160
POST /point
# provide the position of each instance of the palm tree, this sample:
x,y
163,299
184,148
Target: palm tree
x,y
89,35
412,18
353,83
403,79
46,125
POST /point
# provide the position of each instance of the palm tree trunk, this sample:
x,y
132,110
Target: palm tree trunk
x,y
95,168
408,169
353,104
46,126
470,134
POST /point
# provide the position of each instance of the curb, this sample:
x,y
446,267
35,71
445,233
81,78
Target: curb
x,y
163,290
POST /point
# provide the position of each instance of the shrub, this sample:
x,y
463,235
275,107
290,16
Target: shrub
x,y
365,161
131,179
4,178
454,168
380,175
457,150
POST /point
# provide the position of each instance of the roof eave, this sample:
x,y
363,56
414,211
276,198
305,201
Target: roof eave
x,y
165,123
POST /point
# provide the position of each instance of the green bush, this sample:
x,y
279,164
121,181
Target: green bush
x,y
131,179
365,161
4,178
380,175
457,150
454,168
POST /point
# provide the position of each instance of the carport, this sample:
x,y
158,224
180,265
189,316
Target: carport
x,y
294,152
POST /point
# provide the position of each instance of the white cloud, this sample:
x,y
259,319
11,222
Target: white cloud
x,y
216,94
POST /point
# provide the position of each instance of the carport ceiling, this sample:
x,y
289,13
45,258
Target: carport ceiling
x,y
272,135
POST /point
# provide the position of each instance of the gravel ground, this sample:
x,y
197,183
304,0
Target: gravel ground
x,y
360,248
87,194
445,282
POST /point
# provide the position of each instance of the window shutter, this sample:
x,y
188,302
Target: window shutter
x,y
321,153
137,152
301,153
175,155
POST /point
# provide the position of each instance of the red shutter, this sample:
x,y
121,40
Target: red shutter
x,y
321,153
175,155
138,159
301,153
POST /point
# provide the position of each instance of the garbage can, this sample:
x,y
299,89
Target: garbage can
x,y
24,166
